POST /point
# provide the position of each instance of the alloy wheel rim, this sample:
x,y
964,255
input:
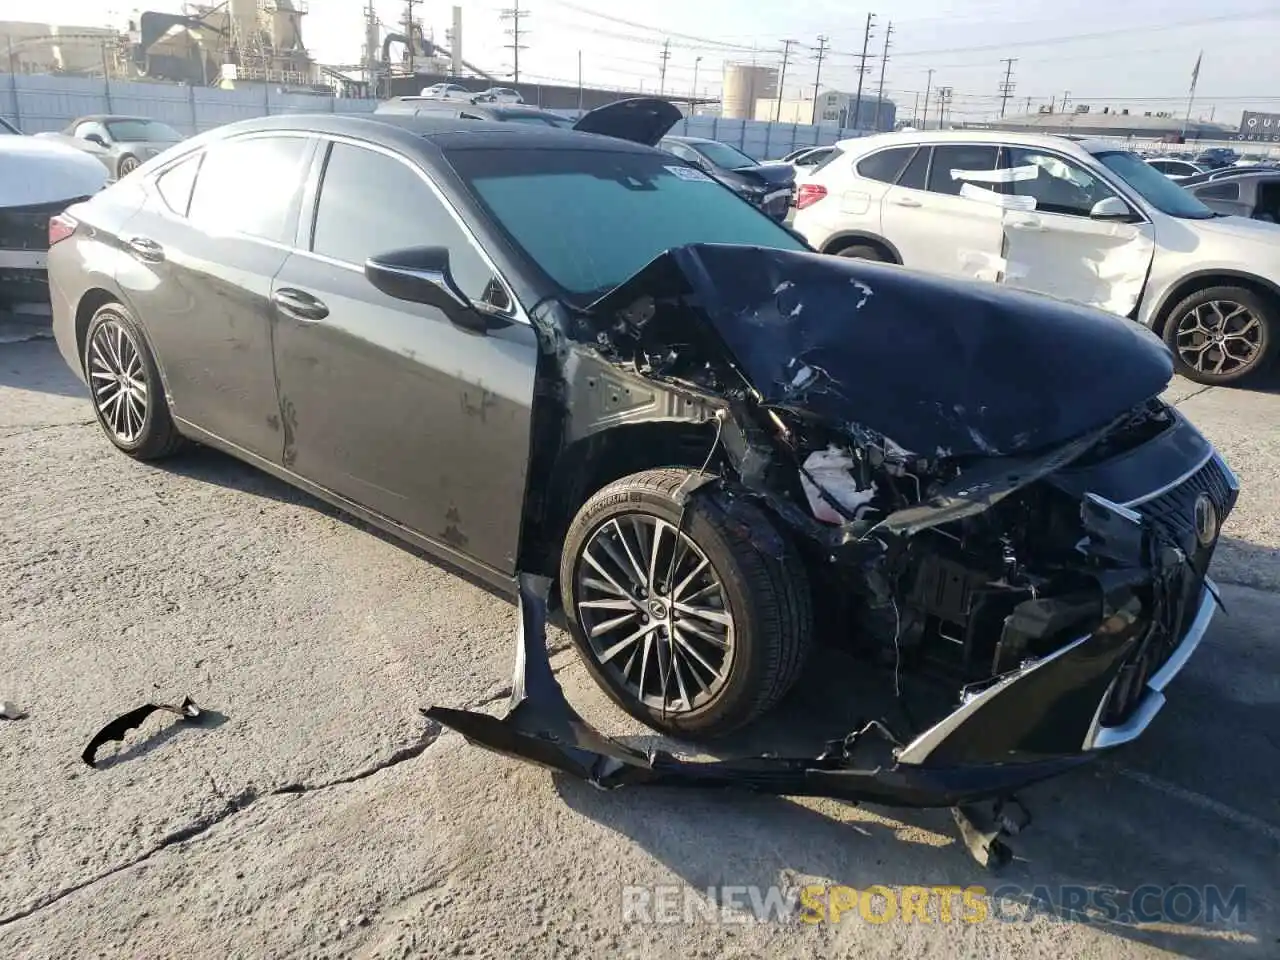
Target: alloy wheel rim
x,y
1219,337
128,165
118,380
654,613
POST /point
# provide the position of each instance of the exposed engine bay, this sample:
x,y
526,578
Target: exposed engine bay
x,y
986,481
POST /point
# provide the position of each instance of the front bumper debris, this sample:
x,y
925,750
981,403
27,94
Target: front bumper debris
x,y
541,727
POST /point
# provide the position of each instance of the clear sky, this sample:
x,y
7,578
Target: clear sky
x,y
1133,53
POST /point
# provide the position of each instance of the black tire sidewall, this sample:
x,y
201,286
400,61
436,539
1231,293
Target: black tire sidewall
x,y
155,427
746,673
860,251
1267,313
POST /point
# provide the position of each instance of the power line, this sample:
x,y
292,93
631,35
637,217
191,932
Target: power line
x,y
642,26
884,59
1007,85
820,53
862,69
515,15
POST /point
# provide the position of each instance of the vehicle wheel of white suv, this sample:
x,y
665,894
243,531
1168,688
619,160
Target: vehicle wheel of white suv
x,y
1222,335
861,251
693,621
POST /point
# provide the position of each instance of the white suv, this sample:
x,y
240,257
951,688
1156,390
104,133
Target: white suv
x,y
1076,219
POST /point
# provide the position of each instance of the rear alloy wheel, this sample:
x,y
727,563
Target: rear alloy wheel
x,y
1222,335
862,251
128,163
125,387
691,627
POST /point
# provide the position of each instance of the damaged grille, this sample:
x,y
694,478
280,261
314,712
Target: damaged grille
x,y
27,228
1173,512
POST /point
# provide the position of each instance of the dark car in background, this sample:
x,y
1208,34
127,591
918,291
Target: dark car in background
x,y
1214,157
767,186
547,357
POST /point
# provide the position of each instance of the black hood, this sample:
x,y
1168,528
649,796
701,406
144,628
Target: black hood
x,y
941,367
640,119
777,175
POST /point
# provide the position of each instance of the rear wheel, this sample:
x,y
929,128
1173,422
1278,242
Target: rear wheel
x,y
689,623
1222,335
128,163
861,251
124,384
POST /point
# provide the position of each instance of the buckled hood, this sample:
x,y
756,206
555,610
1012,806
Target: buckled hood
x,y
944,367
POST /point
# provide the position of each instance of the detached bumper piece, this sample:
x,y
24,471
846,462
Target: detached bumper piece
x,y
541,727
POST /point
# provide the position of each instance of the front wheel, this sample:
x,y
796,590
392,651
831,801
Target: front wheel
x,y
692,621
1222,335
861,251
128,163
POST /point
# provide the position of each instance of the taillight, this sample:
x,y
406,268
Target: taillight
x,y
61,226
809,194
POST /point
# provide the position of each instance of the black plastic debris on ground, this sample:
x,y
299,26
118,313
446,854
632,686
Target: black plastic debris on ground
x,y
121,725
542,728
11,711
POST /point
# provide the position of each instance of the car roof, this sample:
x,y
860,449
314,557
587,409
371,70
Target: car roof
x,y
104,117
695,140
428,104
443,130
994,137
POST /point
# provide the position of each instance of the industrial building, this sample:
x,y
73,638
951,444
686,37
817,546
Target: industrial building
x,y
745,85
49,48
1092,121
833,107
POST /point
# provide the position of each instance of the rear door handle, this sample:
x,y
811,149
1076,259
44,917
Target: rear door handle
x,y
299,304
906,202
146,249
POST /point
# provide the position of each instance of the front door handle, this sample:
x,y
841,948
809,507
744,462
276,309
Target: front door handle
x,y
1028,225
299,304
906,201
144,248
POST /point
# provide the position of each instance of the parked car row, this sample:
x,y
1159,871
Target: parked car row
x,y
1082,220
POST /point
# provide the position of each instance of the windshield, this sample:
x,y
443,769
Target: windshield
x,y
723,156
1157,189
134,130
590,219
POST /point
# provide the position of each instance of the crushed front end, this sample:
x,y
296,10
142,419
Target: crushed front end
x,y
993,511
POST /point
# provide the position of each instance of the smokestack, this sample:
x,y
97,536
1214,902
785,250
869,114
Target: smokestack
x,y
456,44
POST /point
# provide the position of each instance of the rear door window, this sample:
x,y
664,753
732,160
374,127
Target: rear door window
x,y
250,185
953,163
916,175
885,165
176,183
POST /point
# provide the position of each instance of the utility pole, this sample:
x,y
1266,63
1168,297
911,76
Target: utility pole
x,y
884,59
915,111
1066,98
579,79
1191,97
1028,104
515,15
927,84
782,77
693,105
820,53
663,57
1007,85
862,70
408,31
944,101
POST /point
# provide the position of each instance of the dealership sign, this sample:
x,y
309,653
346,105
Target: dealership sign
x,y
1260,126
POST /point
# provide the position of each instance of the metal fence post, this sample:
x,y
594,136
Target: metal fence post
x,y
266,97
106,82
191,99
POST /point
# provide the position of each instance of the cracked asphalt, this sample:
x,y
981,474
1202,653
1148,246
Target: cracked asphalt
x,y
314,812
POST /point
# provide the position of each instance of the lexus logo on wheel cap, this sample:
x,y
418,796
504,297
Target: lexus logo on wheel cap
x,y
1205,516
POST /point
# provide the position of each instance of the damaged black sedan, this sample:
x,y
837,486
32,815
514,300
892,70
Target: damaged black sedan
x,y
556,358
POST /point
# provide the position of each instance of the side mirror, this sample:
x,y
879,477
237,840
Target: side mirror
x,y
422,275
94,138
1112,208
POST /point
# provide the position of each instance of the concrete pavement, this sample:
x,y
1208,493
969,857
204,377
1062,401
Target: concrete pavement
x,y
316,813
